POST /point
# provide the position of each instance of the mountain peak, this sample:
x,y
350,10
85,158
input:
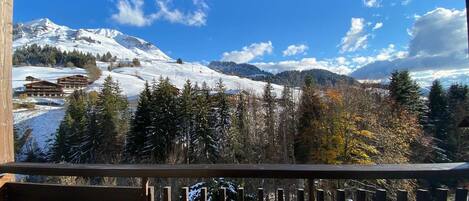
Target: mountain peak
x,y
43,22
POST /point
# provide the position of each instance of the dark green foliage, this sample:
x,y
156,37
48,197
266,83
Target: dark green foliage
x,y
165,121
309,109
405,92
36,55
187,121
438,119
319,76
269,106
139,129
179,61
458,142
50,56
287,121
71,130
221,115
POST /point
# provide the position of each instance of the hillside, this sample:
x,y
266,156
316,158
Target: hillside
x,y
294,78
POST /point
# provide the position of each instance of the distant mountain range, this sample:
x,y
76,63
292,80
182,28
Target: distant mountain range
x,y
292,78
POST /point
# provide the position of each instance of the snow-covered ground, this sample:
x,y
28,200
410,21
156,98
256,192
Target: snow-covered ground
x,y
43,122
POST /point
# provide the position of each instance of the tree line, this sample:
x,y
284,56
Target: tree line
x,y
36,55
345,124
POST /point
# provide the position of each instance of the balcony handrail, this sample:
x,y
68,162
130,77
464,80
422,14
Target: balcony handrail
x,y
383,171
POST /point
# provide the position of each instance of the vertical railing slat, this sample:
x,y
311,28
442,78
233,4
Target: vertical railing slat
x,y
222,193
441,194
422,195
260,194
240,194
340,195
380,195
320,195
300,195
203,194
361,195
402,195
461,194
185,194
167,193
280,195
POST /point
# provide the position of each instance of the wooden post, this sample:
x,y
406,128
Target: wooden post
x,y
167,193
185,194
6,115
260,194
402,195
203,194
280,196
340,195
380,195
240,194
361,195
441,194
422,195
300,195
320,195
222,193
461,194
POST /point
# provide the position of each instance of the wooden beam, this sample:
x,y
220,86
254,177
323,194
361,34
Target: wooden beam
x,y
383,171
6,115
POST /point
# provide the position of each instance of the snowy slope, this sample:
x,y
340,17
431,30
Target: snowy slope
x,y
45,32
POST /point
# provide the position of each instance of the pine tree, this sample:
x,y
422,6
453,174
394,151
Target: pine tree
x,y
107,125
207,145
240,143
165,121
269,107
310,110
186,105
458,139
405,92
140,124
438,116
221,116
287,121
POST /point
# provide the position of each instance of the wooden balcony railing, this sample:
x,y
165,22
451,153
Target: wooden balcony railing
x,y
26,191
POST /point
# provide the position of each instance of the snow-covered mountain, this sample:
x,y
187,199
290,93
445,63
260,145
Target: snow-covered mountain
x,y
46,32
154,64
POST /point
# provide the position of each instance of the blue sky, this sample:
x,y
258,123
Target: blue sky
x,y
329,33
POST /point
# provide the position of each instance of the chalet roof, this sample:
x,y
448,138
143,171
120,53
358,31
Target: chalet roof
x,y
74,76
42,82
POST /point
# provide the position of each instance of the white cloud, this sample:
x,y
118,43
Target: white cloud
x,y
438,41
194,18
378,25
295,50
371,3
338,65
356,38
130,12
249,53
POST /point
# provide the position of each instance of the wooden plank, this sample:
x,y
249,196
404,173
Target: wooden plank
x,y
300,195
340,195
441,194
402,195
41,192
422,195
280,194
380,195
6,115
240,196
184,194
167,193
461,194
260,194
319,195
402,171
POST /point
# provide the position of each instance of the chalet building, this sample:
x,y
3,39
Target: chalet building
x,y
73,82
32,79
43,89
